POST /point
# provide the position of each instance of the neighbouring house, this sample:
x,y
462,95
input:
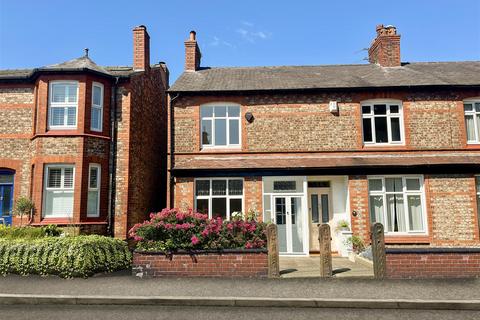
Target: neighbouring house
x,y
86,143
388,141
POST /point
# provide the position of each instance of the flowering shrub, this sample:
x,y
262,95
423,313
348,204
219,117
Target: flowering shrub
x,y
171,230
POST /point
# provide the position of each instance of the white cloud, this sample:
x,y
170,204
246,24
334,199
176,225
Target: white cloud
x,y
247,23
217,42
249,34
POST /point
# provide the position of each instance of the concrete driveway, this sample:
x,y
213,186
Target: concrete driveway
x,y
299,267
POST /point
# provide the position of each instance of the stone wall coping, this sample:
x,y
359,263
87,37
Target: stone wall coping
x,y
433,250
201,252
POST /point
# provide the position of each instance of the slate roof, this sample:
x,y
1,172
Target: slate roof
x,y
81,64
465,73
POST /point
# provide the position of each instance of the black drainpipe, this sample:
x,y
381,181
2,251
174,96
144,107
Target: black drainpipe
x,y
113,158
172,149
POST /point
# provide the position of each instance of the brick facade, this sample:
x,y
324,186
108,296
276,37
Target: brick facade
x,y
225,264
27,144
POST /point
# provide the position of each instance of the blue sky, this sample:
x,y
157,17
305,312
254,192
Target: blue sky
x,y
234,33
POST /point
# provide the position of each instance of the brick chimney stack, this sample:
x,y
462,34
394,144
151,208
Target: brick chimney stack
x,y
385,49
141,48
192,53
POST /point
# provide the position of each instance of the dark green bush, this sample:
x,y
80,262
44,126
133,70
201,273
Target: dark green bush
x,y
7,232
68,257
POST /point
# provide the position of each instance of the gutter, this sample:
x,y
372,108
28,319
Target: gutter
x,y
112,159
172,149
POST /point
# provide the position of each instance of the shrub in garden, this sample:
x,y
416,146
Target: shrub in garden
x,y
9,232
171,230
357,243
67,257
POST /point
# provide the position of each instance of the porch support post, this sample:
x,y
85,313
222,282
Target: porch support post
x,y
273,253
324,236
378,251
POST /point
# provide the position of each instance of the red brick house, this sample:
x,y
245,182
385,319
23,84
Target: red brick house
x,y
86,143
388,141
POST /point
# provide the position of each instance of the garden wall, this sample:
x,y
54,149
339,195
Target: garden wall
x,y
228,263
405,263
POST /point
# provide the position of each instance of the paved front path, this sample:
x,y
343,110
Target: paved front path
x,y
122,284
294,267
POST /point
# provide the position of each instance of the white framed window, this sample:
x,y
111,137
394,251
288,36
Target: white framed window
x,y
58,190
96,118
63,105
398,202
219,197
382,122
93,199
472,120
220,126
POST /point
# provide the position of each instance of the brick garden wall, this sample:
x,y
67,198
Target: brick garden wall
x,y
431,263
228,264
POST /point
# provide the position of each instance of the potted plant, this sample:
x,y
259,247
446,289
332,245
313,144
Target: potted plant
x,y
343,225
23,206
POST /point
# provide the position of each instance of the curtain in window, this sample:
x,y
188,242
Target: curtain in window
x,y
470,124
395,213
415,212
376,209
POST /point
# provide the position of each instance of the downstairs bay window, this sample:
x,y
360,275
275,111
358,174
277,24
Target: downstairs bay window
x,y
93,199
58,191
398,203
219,197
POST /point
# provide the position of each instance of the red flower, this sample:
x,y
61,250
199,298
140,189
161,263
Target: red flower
x,y
195,240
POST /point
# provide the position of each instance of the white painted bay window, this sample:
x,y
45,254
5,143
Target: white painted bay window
x,y
472,120
96,118
382,123
219,197
398,203
93,201
63,105
59,190
220,126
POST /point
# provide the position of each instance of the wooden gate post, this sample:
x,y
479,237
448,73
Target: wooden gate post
x,y
325,239
273,254
378,251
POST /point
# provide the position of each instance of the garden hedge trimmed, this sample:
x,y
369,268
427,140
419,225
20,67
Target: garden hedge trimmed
x,y
67,257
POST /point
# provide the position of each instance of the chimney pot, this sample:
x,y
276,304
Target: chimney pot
x,y
192,53
385,48
141,48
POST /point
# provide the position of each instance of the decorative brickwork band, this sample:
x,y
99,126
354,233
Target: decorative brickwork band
x,y
324,236
273,255
378,251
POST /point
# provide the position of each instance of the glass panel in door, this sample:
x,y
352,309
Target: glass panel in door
x,y
296,224
280,220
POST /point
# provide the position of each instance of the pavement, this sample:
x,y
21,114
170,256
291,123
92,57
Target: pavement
x,y
122,289
294,267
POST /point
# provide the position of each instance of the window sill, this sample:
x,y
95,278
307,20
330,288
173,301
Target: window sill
x,y
68,133
64,221
220,149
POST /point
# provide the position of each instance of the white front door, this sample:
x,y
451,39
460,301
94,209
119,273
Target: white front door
x,y
289,218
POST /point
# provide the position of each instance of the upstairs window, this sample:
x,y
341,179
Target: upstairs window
x,y
96,118
472,120
63,105
220,126
382,123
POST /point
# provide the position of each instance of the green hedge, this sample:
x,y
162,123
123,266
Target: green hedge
x,y
68,257
9,232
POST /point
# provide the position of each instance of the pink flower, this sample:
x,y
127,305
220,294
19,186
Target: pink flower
x,y
195,240
248,245
230,226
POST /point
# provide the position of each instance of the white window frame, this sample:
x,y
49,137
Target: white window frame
x,y
389,116
405,193
476,123
97,107
64,105
96,189
211,196
62,188
226,118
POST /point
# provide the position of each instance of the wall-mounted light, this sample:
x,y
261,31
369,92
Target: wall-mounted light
x,y
249,117
354,213
333,106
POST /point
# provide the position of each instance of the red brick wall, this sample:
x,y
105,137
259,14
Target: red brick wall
x,y
253,264
358,194
433,265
